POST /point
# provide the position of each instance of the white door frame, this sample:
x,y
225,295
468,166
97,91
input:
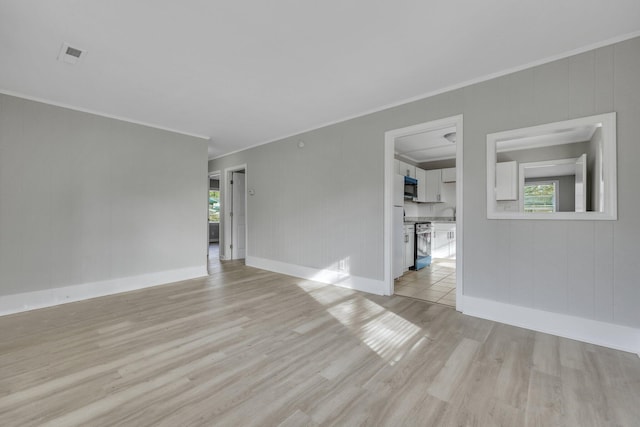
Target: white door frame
x,y
389,145
227,218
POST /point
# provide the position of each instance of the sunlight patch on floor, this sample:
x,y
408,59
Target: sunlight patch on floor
x,y
443,262
381,330
354,312
388,335
330,294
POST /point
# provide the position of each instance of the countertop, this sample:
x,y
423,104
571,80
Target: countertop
x,y
415,220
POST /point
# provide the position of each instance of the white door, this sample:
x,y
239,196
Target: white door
x,y
581,183
237,215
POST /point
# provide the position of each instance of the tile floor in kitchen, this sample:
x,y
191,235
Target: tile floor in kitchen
x,y
436,283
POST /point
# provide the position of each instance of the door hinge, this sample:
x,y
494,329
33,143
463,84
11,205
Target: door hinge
x,y
230,213
231,182
230,246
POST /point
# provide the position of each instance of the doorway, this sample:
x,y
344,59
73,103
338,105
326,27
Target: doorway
x,y
213,219
430,154
235,217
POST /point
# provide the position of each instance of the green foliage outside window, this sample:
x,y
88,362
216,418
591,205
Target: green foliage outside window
x,y
214,206
540,197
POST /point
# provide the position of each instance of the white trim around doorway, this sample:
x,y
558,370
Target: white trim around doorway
x,y
389,143
226,253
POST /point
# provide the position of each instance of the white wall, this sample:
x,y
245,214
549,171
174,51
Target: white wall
x,y
325,202
312,206
90,205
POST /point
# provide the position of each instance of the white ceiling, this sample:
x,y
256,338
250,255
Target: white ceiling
x,y
551,169
527,140
426,146
248,72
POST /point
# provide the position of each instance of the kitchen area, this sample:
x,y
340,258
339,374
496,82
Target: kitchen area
x,y
425,216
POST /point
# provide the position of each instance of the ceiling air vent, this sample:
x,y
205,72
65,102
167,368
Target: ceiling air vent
x,y
70,54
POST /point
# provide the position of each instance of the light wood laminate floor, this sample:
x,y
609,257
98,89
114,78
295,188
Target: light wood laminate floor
x,y
245,347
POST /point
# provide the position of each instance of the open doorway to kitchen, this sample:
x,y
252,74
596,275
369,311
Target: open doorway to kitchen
x,y
423,211
213,219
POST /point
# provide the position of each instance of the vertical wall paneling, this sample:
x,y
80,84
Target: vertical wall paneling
x,y
518,95
526,263
502,252
550,257
581,265
86,200
582,85
603,277
522,263
551,91
480,117
10,204
627,230
603,91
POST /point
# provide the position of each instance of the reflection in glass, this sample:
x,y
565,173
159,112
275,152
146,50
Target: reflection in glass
x,y
553,170
540,196
573,166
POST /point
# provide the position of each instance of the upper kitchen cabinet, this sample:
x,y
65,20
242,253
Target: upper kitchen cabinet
x,y
406,169
449,175
555,171
421,176
507,181
433,187
429,186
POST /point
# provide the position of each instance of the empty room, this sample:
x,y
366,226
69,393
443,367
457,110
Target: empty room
x,y
296,213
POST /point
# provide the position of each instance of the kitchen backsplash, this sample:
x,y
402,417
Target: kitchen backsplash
x,y
433,210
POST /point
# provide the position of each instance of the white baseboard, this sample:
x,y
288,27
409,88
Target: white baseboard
x,y
17,303
330,277
605,334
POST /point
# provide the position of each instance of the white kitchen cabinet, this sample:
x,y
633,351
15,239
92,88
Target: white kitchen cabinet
x,y
449,175
443,243
452,243
439,244
507,181
409,244
421,176
407,170
433,187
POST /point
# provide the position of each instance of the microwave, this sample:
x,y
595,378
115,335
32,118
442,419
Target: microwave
x,y
410,187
